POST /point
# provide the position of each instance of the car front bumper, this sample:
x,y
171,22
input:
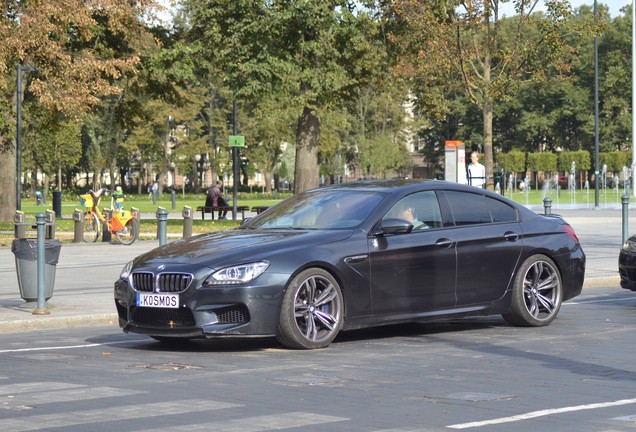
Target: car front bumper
x,y
627,269
206,312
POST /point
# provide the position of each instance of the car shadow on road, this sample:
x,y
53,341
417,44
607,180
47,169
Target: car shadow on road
x,y
254,344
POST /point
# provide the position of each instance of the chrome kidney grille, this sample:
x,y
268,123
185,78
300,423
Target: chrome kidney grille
x,y
162,282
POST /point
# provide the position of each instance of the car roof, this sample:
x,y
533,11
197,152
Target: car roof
x,y
391,185
377,185
404,186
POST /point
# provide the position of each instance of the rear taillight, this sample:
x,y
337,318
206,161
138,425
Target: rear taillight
x,y
570,231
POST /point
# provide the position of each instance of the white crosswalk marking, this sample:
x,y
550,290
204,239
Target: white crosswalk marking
x,y
23,399
72,395
115,413
12,389
258,423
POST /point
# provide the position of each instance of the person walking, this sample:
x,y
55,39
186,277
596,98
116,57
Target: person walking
x,y
153,189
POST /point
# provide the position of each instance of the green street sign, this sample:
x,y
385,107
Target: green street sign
x,y
237,141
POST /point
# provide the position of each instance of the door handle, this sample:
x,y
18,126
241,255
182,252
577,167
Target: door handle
x,y
511,236
444,243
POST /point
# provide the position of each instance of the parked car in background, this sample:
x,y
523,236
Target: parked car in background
x,y
627,264
356,255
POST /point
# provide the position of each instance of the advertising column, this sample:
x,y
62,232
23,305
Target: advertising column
x,y
455,161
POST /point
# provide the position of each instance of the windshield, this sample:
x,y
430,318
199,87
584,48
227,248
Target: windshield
x,y
320,209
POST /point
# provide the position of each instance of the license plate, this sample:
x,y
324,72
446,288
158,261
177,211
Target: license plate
x,y
158,300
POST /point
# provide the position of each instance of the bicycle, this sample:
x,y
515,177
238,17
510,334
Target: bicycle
x,y
122,223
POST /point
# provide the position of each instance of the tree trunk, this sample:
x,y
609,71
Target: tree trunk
x,y
212,138
488,156
114,174
7,180
307,140
268,182
46,186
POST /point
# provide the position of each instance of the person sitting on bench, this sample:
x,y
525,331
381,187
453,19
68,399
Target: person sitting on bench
x,y
215,199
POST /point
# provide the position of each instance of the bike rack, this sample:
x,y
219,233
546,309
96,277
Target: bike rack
x,y
162,222
108,216
187,221
78,227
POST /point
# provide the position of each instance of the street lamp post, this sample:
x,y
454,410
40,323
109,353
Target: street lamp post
x,y
596,131
235,160
18,136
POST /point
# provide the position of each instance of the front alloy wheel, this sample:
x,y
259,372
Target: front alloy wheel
x,y
312,313
537,293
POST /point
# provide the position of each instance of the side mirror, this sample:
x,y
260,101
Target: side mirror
x,y
392,226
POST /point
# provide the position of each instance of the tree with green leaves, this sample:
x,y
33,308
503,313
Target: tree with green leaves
x,y
468,45
57,142
64,40
296,47
266,129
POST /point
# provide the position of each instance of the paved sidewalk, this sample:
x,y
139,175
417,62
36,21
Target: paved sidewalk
x,y
85,273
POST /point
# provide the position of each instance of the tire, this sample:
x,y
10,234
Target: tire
x,y
92,228
312,312
537,293
128,234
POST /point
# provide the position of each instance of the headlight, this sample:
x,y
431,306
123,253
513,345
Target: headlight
x,y
237,274
629,245
126,271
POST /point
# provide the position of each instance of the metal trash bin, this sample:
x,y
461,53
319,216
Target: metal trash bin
x,y
57,204
26,264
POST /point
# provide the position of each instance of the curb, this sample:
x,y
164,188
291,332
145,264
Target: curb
x,y
49,322
602,281
53,322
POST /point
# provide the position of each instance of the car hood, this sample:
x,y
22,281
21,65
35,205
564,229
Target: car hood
x,y
234,246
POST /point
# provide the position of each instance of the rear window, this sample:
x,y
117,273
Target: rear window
x,y
501,212
471,209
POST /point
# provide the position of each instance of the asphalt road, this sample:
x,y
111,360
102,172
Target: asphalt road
x,y
476,374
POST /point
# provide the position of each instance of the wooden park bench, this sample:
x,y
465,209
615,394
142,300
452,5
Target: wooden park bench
x,y
220,209
259,209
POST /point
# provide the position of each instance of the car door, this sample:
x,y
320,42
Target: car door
x,y
489,244
413,271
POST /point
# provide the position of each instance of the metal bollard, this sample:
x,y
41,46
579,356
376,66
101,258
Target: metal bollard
x,y
20,230
162,222
40,220
547,206
106,236
50,225
625,204
174,199
187,221
78,226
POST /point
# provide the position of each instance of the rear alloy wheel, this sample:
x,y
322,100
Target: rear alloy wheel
x,y
312,313
537,293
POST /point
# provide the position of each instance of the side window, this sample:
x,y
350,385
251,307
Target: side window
x,y
468,208
421,209
500,211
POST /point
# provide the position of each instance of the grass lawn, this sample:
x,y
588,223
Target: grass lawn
x,y
65,225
